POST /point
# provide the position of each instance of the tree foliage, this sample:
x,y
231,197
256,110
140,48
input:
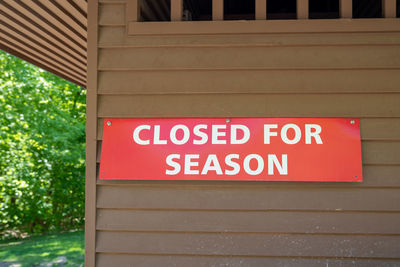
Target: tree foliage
x,y
42,149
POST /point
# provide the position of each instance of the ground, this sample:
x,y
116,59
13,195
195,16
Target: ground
x,y
65,249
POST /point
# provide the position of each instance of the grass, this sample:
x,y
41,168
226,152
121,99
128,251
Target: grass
x,y
40,250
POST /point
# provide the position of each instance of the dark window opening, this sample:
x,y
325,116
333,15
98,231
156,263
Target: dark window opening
x,y
367,9
397,8
239,9
324,9
281,9
151,10
197,10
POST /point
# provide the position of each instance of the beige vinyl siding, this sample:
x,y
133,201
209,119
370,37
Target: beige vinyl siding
x,y
206,223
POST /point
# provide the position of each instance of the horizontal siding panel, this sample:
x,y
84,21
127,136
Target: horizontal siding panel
x,y
247,198
249,81
380,129
373,176
117,37
374,152
249,244
372,129
381,176
253,222
121,260
112,14
250,105
256,57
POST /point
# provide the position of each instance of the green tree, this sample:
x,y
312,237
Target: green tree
x,y
42,149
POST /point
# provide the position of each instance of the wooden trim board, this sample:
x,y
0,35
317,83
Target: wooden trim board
x,y
263,26
91,133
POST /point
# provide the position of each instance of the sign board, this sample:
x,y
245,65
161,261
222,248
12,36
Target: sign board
x,y
245,149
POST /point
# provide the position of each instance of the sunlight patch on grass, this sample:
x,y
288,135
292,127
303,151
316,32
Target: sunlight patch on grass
x,y
47,248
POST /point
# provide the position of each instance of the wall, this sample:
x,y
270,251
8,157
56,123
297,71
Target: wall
x,y
353,71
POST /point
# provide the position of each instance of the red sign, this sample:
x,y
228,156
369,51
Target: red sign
x,y
257,149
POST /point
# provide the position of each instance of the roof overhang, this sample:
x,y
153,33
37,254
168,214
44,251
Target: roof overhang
x,y
51,34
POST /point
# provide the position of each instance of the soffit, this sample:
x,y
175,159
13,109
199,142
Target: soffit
x,y
51,34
